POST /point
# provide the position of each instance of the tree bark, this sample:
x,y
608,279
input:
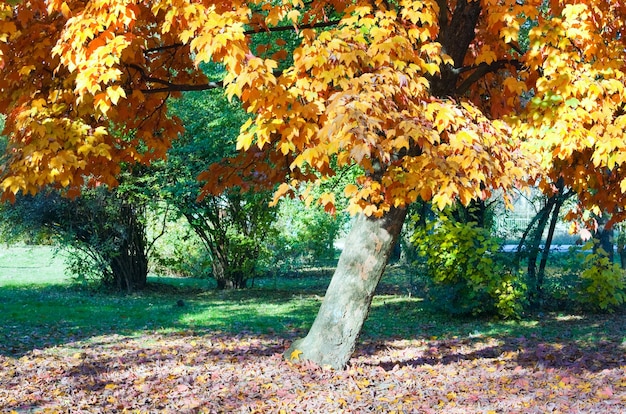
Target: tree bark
x,y
332,338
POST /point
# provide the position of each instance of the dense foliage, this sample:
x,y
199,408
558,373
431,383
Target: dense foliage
x,y
602,282
468,271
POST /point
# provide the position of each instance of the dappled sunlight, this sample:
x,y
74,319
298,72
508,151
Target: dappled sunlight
x,y
221,351
565,318
209,371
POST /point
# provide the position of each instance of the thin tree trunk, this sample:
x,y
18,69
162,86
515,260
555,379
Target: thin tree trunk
x,y
546,250
520,245
533,249
603,239
332,338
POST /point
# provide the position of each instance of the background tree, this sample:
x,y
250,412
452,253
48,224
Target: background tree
x,y
425,96
103,231
234,225
533,246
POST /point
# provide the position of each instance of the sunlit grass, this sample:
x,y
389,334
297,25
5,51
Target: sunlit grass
x,y
24,265
47,310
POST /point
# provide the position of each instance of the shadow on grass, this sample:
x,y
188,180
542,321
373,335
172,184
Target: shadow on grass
x,y
38,317
574,342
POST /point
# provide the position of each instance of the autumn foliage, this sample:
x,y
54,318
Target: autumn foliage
x,y
438,100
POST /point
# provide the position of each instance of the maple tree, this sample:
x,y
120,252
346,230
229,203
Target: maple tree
x,y
434,99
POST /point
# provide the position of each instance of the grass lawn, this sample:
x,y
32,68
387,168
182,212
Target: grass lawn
x,y
23,265
68,349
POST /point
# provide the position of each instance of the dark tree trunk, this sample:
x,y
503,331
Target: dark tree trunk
x,y
534,249
546,250
332,338
232,280
621,250
130,264
603,239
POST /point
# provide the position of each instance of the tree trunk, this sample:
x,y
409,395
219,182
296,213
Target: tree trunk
x,y
546,250
534,249
332,338
129,264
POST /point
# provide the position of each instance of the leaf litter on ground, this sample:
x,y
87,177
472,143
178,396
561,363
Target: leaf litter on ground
x,y
214,372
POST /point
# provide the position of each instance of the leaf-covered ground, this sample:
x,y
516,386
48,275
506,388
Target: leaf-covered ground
x,y
193,371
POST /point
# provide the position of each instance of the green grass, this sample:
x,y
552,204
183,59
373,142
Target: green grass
x,y
39,308
24,265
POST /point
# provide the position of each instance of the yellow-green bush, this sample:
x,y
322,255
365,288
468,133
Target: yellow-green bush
x,y
467,273
602,283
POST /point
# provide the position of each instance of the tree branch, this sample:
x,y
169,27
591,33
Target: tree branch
x,y
319,25
170,86
481,70
257,30
443,13
173,87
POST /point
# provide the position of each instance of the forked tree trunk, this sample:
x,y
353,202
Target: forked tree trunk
x,y
332,338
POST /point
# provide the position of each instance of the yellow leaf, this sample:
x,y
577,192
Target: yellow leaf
x,y
431,68
115,92
351,190
442,201
295,355
244,141
110,386
509,34
486,55
293,16
282,189
515,85
444,118
65,10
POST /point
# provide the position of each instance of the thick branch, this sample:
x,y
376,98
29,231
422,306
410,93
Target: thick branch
x,y
455,36
481,70
458,33
443,14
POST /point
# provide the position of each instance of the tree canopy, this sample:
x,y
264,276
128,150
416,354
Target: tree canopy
x,y
370,83
445,88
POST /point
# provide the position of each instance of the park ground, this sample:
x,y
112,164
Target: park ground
x,y
70,349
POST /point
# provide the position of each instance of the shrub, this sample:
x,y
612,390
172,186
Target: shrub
x,y
467,272
602,283
180,252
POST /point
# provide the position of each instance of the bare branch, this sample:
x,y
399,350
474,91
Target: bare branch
x,y
291,28
173,87
168,86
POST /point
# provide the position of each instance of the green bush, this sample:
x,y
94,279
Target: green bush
x,y
304,236
180,252
602,283
468,274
